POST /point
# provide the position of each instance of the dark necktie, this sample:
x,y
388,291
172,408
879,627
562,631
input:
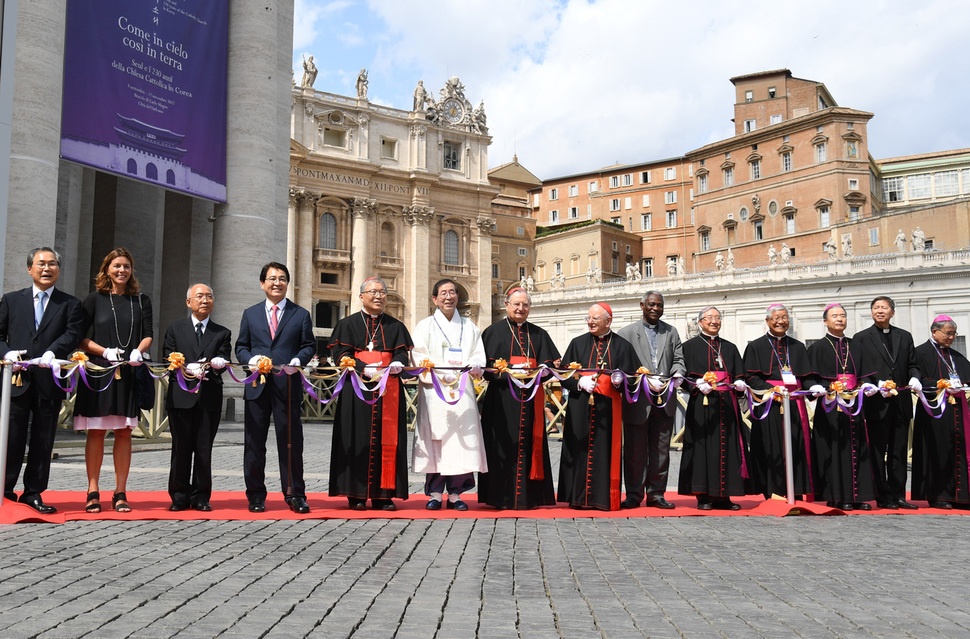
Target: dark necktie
x,y
198,332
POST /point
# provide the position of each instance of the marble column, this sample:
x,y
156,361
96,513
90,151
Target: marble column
x,y
360,248
485,227
417,275
292,222
35,127
303,276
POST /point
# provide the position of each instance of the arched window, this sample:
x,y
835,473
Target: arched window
x,y
328,231
170,177
451,248
151,171
132,167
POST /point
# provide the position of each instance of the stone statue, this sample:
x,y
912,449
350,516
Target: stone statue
x,y
671,267
530,284
362,84
420,96
719,261
522,283
756,203
730,260
919,240
478,118
592,275
554,282
900,241
693,328
785,254
846,245
562,281
772,255
309,72
681,268
632,272
831,251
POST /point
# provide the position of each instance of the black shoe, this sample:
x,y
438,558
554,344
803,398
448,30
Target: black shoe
x,y
356,504
902,503
12,496
862,506
177,508
38,504
458,505
383,504
627,504
660,502
202,507
888,505
942,505
298,505
433,504
257,506
844,506
726,504
705,505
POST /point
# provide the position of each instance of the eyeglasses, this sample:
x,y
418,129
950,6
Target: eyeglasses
x,y
203,296
377,293
43,265
947,333
713,318
595,319
277,280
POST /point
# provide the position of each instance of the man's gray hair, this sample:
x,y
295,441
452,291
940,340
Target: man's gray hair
x,y
700,315
935,326
775,307
41,249
649,293
372,279
188,291
508,298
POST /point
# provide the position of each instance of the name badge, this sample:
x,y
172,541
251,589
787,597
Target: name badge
x,y
788,377
955,381
454,356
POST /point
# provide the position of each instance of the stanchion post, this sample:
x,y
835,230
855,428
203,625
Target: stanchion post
x,y
789,465
5,423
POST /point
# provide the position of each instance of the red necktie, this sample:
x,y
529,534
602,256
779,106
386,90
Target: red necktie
x,y
273,322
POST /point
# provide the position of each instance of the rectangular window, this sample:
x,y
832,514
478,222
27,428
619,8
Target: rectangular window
x,y
920,186
615,182
628,203
335,137
574,190
388,149
616,220
452,156
758,231
615,204
893,189
789,224
728,176
776,119
646,200
823,217
646,222
702,183
691,194
615,264
750,125
628,179
671,219
670,173
853,213
615,246
853,185
873,237
520,230
690,170
553,194
705,241
946,183
494,271
535,199
553,217
523,252
748,96
820,153
573,212
644,177
756,170
648,267
628,251
965,177
670,197
589,211
593,187
521,273
558,268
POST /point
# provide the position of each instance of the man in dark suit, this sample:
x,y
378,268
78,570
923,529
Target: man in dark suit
x,y
194,416
647,428
890,352
36,322
280,330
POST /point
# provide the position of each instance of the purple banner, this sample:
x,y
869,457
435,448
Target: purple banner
x,y
145,91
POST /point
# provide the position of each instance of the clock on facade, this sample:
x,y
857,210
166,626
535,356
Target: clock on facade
x,y
453,110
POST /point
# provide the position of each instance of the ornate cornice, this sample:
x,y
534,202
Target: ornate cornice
x,y
418,215
486,225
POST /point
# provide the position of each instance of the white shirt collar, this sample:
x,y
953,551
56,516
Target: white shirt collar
x,y
196,320
280,305
36,290
455,319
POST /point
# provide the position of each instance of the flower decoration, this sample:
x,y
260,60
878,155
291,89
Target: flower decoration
x,y
175,361
711,378
79,356
426,363
501,365
838,386
574,366
347,362
264,365
942,384
643,370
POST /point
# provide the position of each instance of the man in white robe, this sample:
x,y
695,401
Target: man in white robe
x,y
448,437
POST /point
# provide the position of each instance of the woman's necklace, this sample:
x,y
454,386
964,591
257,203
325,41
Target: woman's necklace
x,y
131,329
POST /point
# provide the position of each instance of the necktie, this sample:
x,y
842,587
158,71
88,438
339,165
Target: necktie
x,y
273,321
198,332
39,309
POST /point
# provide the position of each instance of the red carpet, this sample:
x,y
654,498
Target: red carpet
x,y
232,506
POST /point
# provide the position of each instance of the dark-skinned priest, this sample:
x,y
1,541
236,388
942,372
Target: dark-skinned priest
x,y
368,455
589,468
519,474
713,465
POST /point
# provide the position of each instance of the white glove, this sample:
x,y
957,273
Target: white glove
x,y
448,377
885,393
13,356
47,359
655,384
869,389
739,385
704,387
915,384
395,368
294,362
217,363
676,380
112,354
475,371
193,370
135,359
587,383
370,371
817,390
617,378
254,360
522,365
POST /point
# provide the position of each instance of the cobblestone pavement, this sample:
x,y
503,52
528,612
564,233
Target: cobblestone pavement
x,y
880,576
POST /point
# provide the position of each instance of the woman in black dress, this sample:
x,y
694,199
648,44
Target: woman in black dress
x,y
119,329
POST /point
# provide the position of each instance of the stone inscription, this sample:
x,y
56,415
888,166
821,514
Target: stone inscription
x,y
363,182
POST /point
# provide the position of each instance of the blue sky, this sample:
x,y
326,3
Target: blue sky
x,y
573,85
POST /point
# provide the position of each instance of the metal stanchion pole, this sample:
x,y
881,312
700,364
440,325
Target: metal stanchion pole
x,y
5,422
789,465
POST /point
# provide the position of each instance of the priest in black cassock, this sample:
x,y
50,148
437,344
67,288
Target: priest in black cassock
x,y
940,461
713,466
592,455
841,463
368,455
519,474
776,359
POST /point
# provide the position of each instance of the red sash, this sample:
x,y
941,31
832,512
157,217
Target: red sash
x,y
604,386
806,433
849,380
389,410
538,422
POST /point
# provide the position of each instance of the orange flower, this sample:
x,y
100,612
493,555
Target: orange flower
x,y
264,365
501,365
574,366
347,362
943,383
426,363
176,360
890,385
643,370
78,356
836,387
710,377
